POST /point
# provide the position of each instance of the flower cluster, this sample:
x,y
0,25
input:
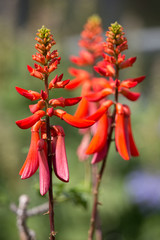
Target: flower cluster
x,y
47,147
117,117
91,51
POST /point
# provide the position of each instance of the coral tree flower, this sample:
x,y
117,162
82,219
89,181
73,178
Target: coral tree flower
x,y
60,158
98,90
47,141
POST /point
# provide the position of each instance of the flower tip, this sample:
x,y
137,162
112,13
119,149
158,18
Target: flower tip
x,y
30,69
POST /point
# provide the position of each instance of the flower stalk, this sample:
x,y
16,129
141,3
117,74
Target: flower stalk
x,y
47,149
96,92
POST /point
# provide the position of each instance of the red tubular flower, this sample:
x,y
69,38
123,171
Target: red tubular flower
x,y
38,106
35,73
133,96
60,163
127,63
30,121
103,108
53,66
39,58
63,102
121,133
82,110
72,120
32,95
31,164
128,84
57,83
99,139
133,148
44,175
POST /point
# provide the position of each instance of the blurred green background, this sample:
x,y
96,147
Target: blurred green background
x,y
130,193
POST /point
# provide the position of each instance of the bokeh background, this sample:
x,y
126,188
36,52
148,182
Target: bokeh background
x,y
130,192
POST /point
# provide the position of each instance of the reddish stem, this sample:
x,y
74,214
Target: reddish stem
x,y
94,215
49,156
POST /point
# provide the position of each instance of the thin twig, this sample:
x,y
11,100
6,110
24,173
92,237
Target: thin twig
x,y
22,214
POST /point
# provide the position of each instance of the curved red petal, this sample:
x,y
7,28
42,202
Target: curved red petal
x,y
133,148
60,163
32,95
44,175
38,106
121,134
104,107
94,97
77,122
133,96
100,138
74,83
31,164
82,110
30,121
72,101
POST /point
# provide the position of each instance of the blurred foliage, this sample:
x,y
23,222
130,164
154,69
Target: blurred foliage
x,y
122,219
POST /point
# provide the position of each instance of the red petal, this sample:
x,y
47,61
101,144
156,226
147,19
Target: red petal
x,y
94,97
30,121
100,138
133,148
77,122
44,175
60,161
100,70
121,136
128,84
31,164
127,63
104,107
38,106
133,96
138,79
82,110
32,95
72,101
74,83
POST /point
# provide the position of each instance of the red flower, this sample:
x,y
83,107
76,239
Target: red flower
x,y
32,95
44,175
30,121
31,164
123,134
60,159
